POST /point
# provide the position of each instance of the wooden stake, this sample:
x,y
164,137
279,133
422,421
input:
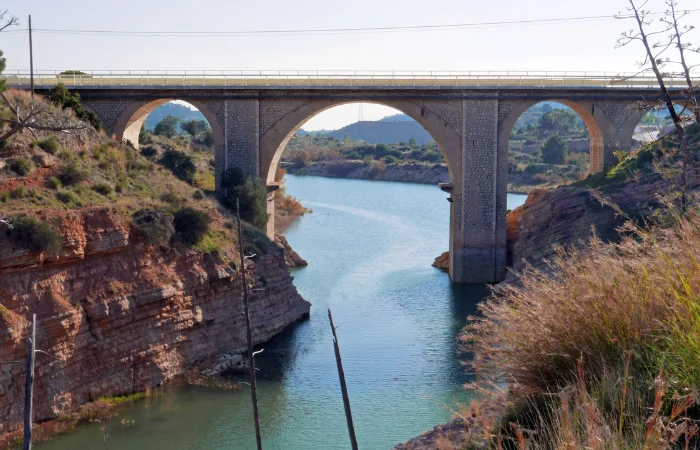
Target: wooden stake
x,y
253,389
343,386
29,388
31,58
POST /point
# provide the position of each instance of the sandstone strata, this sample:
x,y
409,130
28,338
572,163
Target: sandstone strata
x,y
122,316
291,258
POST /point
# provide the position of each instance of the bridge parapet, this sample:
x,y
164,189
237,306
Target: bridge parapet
x,y
247,79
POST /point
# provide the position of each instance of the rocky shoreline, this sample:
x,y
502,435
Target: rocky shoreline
x,y
360,170
121,316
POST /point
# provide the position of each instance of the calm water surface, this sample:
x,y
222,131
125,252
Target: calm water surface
x,y
369,245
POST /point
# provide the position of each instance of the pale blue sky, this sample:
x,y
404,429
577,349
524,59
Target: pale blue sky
x,y
581,46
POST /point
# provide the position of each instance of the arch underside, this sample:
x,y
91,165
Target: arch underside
x,y
274,140
595,133
128,124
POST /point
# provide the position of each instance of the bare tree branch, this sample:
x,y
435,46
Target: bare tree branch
x,y
11,21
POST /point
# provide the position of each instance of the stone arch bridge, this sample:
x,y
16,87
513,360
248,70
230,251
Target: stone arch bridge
x,y
470,119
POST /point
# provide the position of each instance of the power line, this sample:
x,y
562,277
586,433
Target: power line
x,y
311,32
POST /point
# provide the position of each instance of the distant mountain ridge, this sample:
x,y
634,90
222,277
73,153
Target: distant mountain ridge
x,y
182,112
388,130
384,132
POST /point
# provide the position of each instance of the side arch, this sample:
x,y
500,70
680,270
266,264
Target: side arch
x,y
128,124
595,133
274,140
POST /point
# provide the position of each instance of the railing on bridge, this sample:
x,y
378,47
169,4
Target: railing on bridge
x,y
318,78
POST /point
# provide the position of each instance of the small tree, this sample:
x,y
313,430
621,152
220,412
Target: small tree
x,y
191,225
144,135
413,143
250,193
554,150
167,127
60,96
558,121
194,127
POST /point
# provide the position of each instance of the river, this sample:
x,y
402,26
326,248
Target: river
x,y
369,245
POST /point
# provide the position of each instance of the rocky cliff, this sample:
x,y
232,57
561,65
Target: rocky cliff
x,y
120,316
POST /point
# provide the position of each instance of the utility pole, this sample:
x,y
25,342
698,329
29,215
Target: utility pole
x,y
31,60
29,388
251,355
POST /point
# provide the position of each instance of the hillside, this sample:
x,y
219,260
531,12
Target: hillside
x,y
109,244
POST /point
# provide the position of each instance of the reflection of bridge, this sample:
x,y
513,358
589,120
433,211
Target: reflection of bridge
x,y
470,116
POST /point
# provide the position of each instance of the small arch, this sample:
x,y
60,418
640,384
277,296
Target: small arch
x,y
128,124
595,134
649,124
274,140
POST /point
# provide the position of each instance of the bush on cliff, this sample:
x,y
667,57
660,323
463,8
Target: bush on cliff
x,y
60,96
31,234
181,164
191,225
250,193
72,174
612,337
155,226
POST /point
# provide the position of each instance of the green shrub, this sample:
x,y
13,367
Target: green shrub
x,y
21,165
60,96
206,138
191,225
72,173
181,164
121,185
256,242
19,192
49,144
155,226
391,159
251,194
171,198
69,197
198,194
103,189
149,151
55,183
4,196
31,234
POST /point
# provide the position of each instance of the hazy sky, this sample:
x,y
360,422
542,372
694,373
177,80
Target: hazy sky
x,y
585,46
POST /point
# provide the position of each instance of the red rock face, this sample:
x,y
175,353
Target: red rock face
x,y
124,316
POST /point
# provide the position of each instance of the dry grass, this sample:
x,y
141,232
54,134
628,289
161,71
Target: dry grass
x,y
631,311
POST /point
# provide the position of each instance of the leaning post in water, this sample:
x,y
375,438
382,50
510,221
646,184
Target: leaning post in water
x,y
343,386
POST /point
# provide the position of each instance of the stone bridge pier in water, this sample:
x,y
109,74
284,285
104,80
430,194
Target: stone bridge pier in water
x,y
252,126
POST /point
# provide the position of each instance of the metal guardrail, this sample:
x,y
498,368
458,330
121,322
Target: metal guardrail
x,y
319,78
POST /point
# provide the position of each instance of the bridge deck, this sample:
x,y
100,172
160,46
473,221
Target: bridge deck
x,y
334,80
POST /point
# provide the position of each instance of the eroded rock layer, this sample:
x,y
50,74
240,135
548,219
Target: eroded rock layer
x,y
121,316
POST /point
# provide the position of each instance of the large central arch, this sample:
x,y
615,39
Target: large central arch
x,y
274,140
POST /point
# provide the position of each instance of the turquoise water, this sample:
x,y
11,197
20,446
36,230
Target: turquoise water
x,y
369,245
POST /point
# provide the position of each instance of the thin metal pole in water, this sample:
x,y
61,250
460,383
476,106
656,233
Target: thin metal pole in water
x,y
31,59
343,386
253,388
29,388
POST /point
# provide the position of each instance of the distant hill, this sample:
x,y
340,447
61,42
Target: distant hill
x,y
396,118
384,132
182,112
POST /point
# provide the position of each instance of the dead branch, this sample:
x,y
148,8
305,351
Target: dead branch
x,y
11,21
